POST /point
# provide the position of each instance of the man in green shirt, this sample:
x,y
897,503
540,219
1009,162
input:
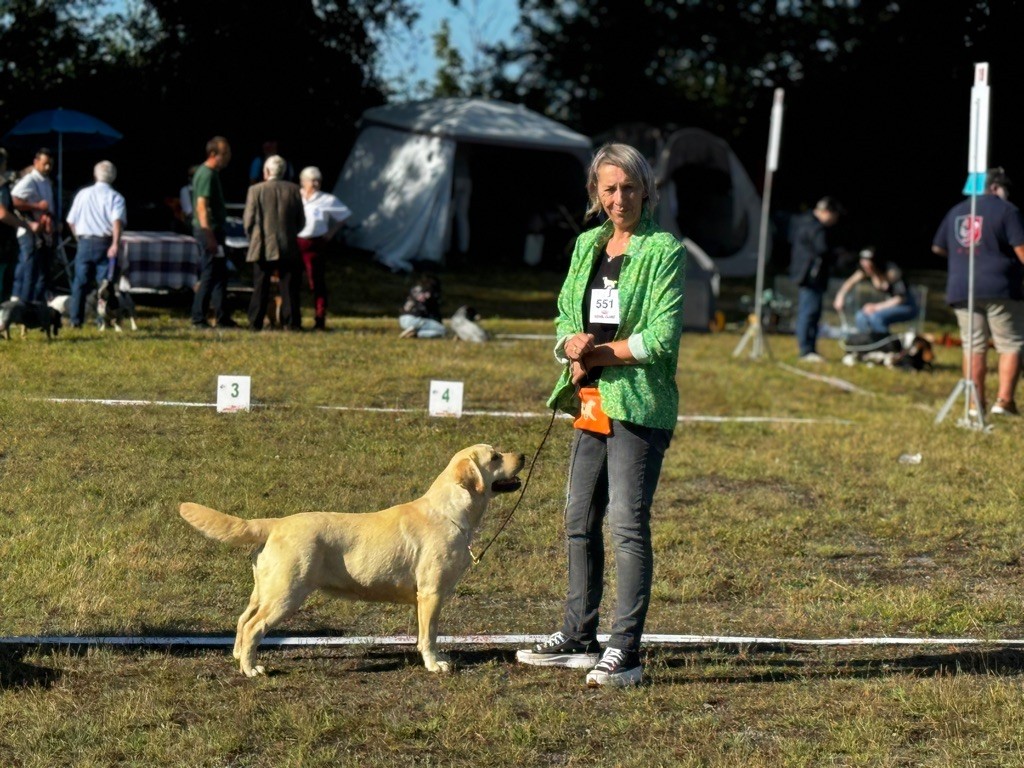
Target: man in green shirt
x,y
208,218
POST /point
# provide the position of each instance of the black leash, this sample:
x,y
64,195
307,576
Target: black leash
x,y
526,483
529,474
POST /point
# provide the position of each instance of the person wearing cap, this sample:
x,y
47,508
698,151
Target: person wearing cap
x,y
898,306
810,264
997,231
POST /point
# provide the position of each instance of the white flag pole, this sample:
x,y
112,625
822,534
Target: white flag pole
x,y
977,168
755,331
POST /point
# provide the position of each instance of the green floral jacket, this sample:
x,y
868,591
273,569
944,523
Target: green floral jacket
x,y
650,317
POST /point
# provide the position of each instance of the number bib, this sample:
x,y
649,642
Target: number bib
x,y
604,306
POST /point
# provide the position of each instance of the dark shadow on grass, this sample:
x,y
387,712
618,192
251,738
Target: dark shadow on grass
x,y
357,658
719,664
758,664
14,673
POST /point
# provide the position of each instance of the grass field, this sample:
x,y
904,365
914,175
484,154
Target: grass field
x,y
794,529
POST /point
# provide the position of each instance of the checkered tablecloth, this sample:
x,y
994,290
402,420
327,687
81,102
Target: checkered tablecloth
x,y
160,260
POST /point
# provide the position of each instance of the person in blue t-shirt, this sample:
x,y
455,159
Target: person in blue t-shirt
x,y
997,231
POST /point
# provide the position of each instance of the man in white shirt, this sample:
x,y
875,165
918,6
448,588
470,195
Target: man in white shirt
x,y
33,199
97,220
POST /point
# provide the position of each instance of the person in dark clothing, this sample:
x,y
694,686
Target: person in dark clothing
x,y
10,222
208,218
272,219
810,265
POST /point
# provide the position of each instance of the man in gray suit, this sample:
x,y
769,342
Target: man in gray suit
x,y
273,217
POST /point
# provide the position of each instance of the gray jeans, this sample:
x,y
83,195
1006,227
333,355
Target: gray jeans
x,y
614,475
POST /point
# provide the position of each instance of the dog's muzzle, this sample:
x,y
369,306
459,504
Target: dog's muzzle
x,y
506,486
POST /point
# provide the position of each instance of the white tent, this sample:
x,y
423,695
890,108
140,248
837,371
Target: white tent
x,y
407,176
707,197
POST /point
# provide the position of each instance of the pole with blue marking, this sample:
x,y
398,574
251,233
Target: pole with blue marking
x,y
977,169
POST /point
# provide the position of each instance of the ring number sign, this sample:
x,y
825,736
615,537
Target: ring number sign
x,y
446,398
232,393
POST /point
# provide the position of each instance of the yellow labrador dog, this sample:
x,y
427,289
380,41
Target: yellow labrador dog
x,y
410,553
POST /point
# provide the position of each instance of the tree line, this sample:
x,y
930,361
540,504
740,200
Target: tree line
x,y
877,91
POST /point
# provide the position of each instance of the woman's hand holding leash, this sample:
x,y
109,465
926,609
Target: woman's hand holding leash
x,y
577,346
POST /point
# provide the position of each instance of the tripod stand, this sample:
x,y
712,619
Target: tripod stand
x,y
754,335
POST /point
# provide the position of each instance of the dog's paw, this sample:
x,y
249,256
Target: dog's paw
x,y
255,671
439,663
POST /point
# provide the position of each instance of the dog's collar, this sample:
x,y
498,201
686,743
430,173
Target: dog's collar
x,y
469,547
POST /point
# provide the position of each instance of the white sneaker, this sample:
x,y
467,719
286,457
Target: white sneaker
x,y
812,357
1004,408
616,669
561,651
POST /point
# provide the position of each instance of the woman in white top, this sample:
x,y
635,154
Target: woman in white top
x,y
325,215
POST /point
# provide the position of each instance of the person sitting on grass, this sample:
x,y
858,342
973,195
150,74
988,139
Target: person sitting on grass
x,y
899,305
421,314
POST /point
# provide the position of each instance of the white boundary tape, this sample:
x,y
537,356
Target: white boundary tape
x,y
500,414
91,401
832,381
372,640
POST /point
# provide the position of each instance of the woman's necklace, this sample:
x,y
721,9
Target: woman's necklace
x,y
618,251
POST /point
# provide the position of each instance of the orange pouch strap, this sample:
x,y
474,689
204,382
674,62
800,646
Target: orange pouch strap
x,y
591,417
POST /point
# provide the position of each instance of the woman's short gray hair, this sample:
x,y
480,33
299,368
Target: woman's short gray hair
x,y
104,171
312,173
274,167
632,163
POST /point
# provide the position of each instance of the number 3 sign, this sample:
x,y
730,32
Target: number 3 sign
x,y
232,394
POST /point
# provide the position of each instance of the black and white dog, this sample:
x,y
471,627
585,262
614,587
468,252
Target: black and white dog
x,y
114,305
28,314
108,303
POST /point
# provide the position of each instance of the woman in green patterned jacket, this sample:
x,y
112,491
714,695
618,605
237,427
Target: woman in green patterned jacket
x,y
620,315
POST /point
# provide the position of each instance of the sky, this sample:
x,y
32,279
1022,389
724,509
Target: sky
x,y
408,56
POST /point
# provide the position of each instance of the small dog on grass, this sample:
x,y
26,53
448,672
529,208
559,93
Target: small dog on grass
x,y
464,323
113,305
411,553
108,303
28,314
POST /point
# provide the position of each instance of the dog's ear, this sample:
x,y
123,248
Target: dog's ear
x,y
467,474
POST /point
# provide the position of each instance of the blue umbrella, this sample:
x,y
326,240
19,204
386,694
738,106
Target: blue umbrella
x,y
65,128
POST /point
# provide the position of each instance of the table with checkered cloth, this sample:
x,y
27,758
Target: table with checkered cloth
x,y
159,260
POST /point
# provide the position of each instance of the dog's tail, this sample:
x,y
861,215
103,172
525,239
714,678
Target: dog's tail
x,y
227,528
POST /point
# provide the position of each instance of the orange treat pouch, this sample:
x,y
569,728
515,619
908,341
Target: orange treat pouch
x,y
591,417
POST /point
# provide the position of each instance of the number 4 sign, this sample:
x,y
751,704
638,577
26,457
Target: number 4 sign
x,y
232,394
446,398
